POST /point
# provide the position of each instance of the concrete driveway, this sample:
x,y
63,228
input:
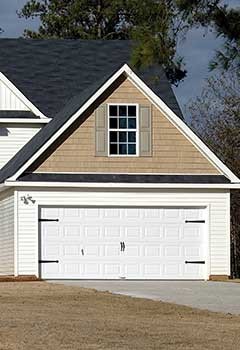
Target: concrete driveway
x,y
213,296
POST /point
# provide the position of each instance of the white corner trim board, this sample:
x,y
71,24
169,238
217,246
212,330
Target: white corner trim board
x,y
125,69
21,96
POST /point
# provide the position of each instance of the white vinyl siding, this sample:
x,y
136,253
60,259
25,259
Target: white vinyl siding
x,y
13,138
9,101
216,201
7,233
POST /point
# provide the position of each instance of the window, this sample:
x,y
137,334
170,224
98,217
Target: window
x,y
123,130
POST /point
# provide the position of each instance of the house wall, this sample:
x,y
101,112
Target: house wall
x,y
12,138
9,101
216,201
7,233
172,152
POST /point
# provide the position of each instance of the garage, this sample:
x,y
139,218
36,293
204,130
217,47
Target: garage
x,y
123,242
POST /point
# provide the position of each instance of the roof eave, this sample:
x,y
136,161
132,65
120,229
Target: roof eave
x,y
111,185
167,112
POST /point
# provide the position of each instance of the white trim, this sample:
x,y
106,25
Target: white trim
x,y
24,121
136,130
21,97
163,107
207,241
206,230
70,121
228,230
112,185
15,233
170,115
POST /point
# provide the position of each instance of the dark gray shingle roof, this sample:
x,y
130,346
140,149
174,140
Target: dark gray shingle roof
x,y
59,76
126,178
50,72
48,130
17,115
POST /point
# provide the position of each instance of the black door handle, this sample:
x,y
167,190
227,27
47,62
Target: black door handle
x,y
195,262
122,244
48,261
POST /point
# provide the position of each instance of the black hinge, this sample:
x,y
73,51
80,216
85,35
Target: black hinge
x,y
48,261
47,220
195,262
195,221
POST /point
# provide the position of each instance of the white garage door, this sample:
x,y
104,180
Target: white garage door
x,y
113,243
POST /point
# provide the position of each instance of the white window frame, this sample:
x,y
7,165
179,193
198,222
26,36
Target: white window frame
x,y
126,130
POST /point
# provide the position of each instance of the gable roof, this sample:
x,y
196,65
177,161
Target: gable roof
x,y
50,72
75,109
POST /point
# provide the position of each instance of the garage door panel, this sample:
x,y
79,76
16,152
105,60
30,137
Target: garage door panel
x,y
92,251
172,251
132,232
86,241
112,250
71,251
132,251
112,232
91,269
72,232
132,270
193,252
51,251
152,251
152,232
169,215
111,269
152,270
73,269
191,270
172,232
192,232
91,232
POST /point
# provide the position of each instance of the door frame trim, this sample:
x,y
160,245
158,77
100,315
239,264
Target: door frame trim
x,y
206,231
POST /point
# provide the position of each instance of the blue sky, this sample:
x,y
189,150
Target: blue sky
x,y
197,49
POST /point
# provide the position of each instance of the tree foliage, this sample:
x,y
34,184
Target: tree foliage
x,y
155,25
223,21
216,117
152,24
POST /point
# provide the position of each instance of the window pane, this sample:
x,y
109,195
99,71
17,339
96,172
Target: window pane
x,y
113,111
131,123
122,136
122,148
113,123
122,111
132,136
131,149
113,148
122,123
113,136
132,111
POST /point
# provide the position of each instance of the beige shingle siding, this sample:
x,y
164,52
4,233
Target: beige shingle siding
x,y
7,233
171,151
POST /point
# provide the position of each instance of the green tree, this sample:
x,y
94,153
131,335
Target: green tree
x,y
223,21
215,116
153,25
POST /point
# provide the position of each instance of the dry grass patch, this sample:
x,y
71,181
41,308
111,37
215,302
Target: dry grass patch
x,y
37,315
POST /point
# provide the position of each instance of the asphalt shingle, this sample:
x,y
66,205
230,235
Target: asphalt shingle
x,y
50,72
